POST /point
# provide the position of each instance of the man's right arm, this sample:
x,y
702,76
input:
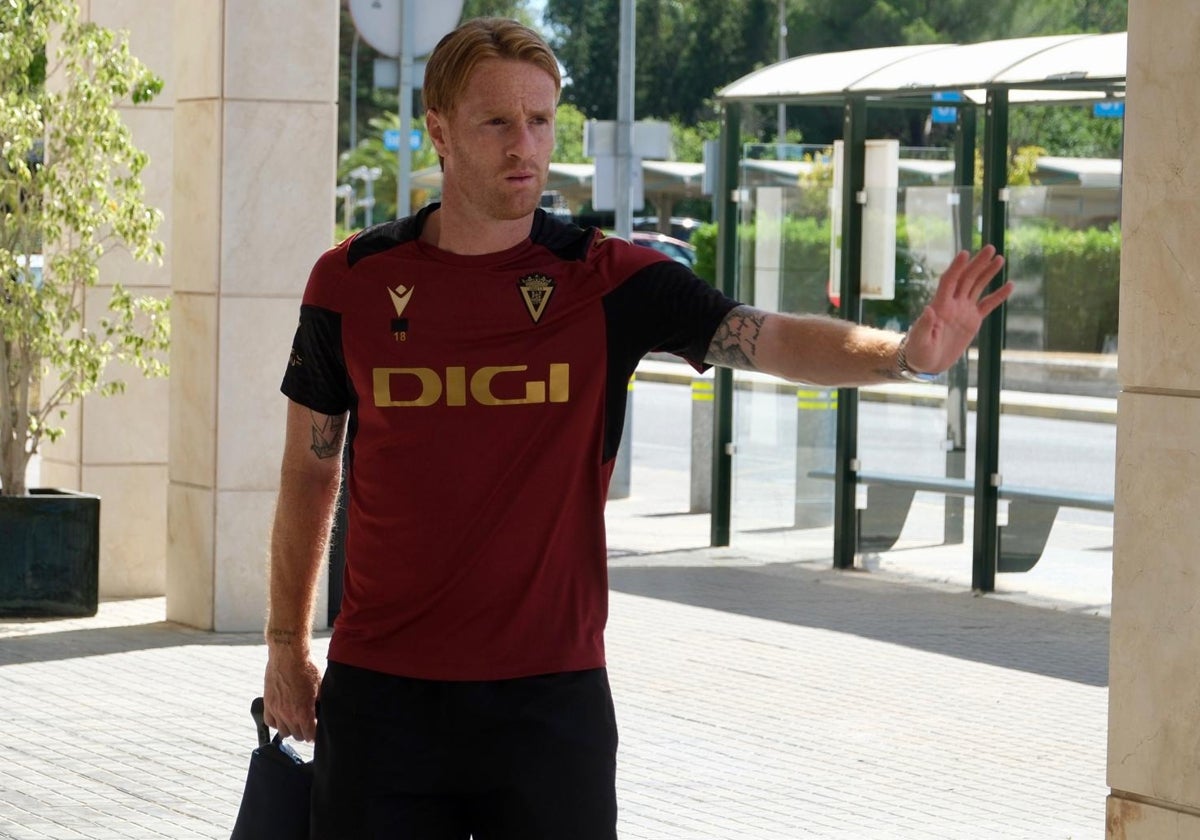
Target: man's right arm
x,y
308,488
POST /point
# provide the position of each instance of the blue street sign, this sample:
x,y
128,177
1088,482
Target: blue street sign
x,y
1109,109
945,113
391,139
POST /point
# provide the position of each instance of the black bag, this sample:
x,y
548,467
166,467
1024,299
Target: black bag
x,y
278,789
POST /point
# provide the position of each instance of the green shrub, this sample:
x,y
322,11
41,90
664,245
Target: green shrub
x,y
1080,282
1079,269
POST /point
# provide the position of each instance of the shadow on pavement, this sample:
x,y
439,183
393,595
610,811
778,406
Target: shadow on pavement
x,y
1038,640
97,641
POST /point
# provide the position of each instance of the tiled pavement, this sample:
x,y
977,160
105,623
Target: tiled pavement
x,y
758,698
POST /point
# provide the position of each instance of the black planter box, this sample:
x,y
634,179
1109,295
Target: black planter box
x,y
49,554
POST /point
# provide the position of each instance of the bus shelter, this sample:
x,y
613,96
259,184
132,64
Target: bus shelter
x,y
980,82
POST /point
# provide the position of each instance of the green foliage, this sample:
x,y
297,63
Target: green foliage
x,y
373,154
687,140
1080,272
568,135
687,51
1070,131
704,240
805,262
70,184
1076,273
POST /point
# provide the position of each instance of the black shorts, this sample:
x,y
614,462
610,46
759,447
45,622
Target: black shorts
x,y
524,759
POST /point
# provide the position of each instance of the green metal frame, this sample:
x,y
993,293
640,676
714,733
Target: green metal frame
x,y
845,482
986,545
995,168
957,377
722,454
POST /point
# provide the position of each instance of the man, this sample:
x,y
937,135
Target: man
x,y
474,357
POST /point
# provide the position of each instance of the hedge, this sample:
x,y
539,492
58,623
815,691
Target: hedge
x,y
1069,279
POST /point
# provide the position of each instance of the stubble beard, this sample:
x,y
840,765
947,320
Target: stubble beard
x,y
520,204
499,201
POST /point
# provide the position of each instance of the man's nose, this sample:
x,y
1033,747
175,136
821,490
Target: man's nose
x,y
522,141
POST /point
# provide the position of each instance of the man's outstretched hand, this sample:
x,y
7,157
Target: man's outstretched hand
x,y
946,328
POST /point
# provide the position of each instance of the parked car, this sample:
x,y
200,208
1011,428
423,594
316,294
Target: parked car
x,y
682,227
676,249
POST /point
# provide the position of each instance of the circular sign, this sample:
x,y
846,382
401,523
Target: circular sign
x,y
378,22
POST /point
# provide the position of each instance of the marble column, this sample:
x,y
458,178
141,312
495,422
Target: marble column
x,y
254,179
1154,695
116,447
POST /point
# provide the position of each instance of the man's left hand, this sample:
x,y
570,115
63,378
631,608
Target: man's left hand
x,y
949,323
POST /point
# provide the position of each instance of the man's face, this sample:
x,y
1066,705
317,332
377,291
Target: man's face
x,y
498,140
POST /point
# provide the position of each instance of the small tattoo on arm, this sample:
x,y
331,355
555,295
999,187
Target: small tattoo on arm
x,y
736,340
327,435
284,638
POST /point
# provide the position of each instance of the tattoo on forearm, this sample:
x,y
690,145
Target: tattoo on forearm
x,y
327,435
284,638
735,342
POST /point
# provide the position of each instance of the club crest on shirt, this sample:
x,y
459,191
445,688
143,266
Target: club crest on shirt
x,y
535,291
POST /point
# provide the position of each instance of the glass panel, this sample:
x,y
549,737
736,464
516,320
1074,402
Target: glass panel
x,y
916,440
785,436
784,432
1059,386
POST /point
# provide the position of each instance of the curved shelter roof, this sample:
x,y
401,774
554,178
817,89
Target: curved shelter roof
x,y
1052,67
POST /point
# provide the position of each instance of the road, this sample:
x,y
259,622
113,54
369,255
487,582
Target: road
x,y
1051,454
1067,455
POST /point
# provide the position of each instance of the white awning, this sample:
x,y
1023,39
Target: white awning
x,y
1089,172
1053,67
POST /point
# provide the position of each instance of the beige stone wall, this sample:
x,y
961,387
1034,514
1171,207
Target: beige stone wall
x,y
254,178
117,447
1154,698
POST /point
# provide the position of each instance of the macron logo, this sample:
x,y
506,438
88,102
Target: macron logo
x,y
400,297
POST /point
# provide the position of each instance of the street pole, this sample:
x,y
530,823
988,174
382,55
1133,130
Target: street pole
x,y
623,223
404,89
781,128
354,90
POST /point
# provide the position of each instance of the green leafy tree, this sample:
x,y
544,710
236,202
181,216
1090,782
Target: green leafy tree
x,y
684,51
1068,130
371,153
687,51
70,186
584,36
568,135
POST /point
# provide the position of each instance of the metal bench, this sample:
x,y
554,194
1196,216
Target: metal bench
x,y
1031,512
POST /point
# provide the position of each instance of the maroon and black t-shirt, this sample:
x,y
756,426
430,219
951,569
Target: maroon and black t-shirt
x,y
486,396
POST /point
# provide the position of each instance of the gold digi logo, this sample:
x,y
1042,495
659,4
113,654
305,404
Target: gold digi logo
x,y
420,387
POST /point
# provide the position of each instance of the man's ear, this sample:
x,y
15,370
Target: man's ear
x,y
437,131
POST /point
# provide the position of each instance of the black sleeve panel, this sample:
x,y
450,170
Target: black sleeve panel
x,y
385,235
567,240
663,307
316,375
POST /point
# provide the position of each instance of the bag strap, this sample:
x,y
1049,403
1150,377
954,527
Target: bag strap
x,y
256,712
